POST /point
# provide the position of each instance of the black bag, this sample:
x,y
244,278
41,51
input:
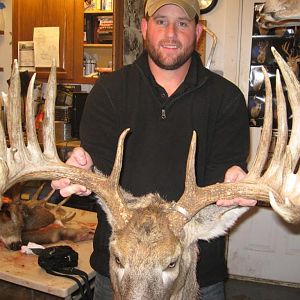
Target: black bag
x,y
61,261
58,257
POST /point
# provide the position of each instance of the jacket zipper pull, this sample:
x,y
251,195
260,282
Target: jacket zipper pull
x,y
163,114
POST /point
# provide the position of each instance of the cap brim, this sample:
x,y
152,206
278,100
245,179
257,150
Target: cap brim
x,y
152,8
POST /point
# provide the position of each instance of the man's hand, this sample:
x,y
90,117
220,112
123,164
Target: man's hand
x,y
234,174
78,158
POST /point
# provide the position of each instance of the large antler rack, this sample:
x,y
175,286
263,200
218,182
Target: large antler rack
x,y
277,185
23,161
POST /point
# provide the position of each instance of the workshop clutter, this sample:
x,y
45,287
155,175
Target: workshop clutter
x,y
70,101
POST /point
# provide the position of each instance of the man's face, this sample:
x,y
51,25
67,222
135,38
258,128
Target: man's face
x,y
170,37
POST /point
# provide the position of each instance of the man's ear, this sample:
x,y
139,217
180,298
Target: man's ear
x,y
199,30
144,26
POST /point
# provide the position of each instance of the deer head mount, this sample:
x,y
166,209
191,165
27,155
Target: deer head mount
x,y
279,13
37,221
153,250
293,57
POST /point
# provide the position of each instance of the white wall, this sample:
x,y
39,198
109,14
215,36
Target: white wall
x,y
225,22
5,47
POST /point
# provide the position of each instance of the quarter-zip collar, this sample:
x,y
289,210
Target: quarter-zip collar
x,y
197,75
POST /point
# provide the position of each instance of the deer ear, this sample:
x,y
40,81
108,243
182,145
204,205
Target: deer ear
x,y
109,215
212,221
25,211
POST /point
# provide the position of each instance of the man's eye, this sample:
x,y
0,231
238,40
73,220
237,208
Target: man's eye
x,y
160,22
183,24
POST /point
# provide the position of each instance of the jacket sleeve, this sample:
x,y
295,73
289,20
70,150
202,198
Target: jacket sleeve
x,y
99,128
229,138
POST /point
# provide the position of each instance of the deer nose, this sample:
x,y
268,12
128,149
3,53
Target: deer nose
x,y
15,246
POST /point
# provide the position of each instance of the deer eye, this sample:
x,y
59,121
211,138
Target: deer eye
x,y
172,264
118,262
7,214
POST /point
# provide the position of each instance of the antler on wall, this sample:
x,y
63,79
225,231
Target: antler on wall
x,y
279,13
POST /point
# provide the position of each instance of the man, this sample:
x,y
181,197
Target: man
x,y
163,97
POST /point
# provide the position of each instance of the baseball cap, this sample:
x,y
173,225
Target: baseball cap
x,y
191,7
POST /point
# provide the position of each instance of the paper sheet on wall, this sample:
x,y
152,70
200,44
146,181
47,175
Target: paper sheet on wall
x,y
46,46
26,56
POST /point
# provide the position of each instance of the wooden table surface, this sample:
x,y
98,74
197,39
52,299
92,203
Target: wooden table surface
x,y
23,269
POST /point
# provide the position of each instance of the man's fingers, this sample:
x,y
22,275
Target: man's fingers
x,y
60,183
234,174
237,201
77,189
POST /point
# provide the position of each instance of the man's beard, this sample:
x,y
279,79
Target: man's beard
x,y
176,63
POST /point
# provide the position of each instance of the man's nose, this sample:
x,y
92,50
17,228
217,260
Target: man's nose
x,y
171,30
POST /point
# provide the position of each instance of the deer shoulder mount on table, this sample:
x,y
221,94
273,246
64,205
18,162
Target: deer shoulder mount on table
x,y
36,221
279,13
153,251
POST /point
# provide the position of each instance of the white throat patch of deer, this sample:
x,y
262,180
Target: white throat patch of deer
x,y
153,243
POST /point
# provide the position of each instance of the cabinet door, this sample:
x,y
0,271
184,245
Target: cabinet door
x,y
47,13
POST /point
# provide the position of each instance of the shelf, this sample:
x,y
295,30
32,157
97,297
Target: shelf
x,y
96,11
88,80
97,45
264,37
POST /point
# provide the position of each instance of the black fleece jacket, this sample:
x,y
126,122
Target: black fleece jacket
x,y
156,149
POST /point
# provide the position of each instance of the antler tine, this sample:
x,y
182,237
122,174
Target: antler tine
x,y
285,48
266,134
32,141
3,157
35,201
276,167
278,185
293,88
48,121
13,108
111,197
